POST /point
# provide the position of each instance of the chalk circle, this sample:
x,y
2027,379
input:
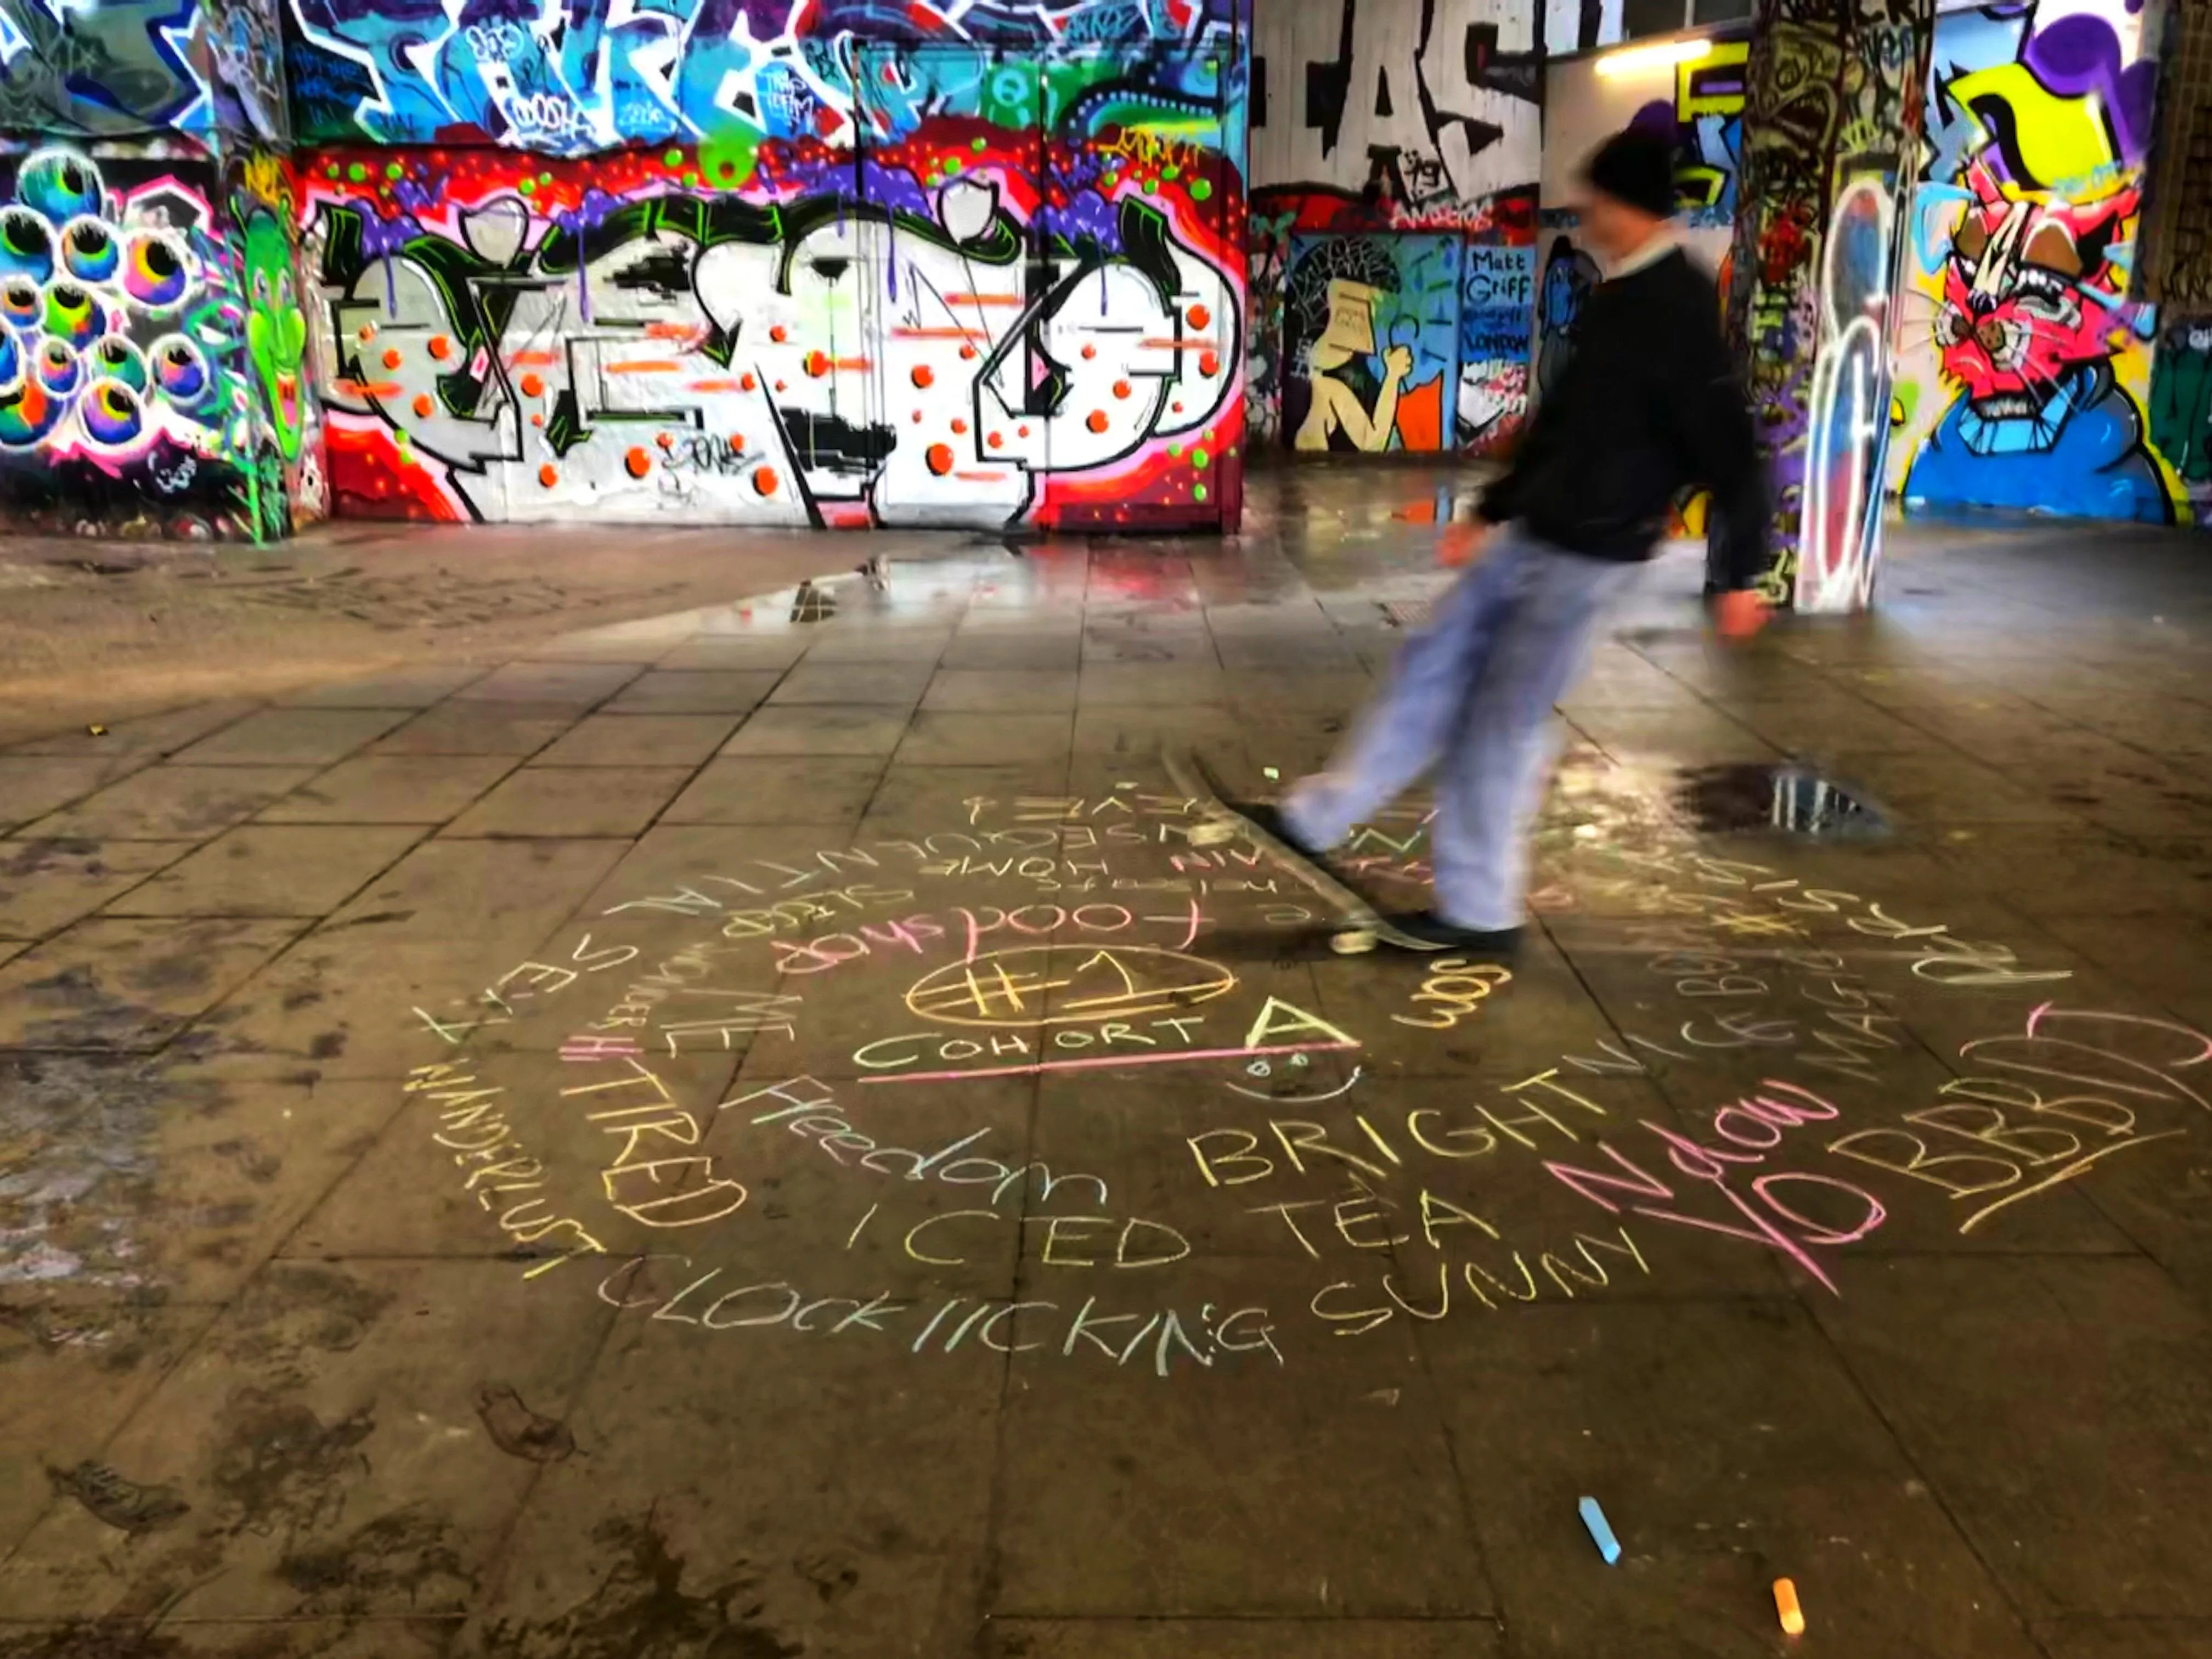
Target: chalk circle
x,y
1036,985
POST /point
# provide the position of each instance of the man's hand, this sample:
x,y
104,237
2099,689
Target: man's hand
x,y
1739,615
1459,543
1398,361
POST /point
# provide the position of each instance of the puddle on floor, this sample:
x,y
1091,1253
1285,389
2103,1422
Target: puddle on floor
x,y
1760,798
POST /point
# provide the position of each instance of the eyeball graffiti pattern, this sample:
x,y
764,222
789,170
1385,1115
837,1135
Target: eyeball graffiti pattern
x,y
125,405
72,375
528,341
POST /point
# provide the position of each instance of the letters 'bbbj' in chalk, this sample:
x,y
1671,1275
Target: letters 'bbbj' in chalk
x,y
1601,1533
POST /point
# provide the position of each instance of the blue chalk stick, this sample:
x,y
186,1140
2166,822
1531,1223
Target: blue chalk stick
x,y
1601,1533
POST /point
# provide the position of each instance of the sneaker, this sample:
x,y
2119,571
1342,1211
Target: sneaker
x,y
1491,944
1270,819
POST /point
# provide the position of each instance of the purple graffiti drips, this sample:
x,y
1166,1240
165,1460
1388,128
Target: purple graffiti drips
x,y
2080,55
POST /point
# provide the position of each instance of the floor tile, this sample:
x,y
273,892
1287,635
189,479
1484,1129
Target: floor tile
x,y
46,885
820,729
734,790
618,739
32,786
269,870
695,691
2119,1418
455,727
171,803
392,788
569,802
942,740
292,737
129,986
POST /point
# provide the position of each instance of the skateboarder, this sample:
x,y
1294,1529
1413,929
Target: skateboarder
x,y
1648,404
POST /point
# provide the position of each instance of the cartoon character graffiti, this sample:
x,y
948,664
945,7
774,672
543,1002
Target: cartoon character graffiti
x,y
2034,308
1570,274
1350,409
2024,366
276,328
1372,325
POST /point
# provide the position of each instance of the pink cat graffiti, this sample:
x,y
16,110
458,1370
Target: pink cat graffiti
x,y
2029,294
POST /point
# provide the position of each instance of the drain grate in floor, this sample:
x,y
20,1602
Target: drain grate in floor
x,y
1775,799
1405,613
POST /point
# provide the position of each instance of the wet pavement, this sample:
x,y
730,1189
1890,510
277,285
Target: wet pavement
x,y
755,1133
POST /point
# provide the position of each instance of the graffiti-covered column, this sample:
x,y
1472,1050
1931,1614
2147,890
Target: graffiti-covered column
x,y
1831,127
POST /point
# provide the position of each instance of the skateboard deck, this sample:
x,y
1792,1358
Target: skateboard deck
x,y
1358,927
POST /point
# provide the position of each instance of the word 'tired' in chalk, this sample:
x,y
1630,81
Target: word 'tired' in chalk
x,y
1600,1532
1785,1603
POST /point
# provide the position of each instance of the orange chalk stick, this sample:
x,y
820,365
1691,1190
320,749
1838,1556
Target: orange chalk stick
x,y
1785,1603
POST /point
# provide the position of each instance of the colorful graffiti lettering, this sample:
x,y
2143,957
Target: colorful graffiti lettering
x,y
584,76
2028,367
1496,304
105,68
968,338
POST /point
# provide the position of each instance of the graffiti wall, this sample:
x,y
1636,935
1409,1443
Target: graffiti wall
x,y
967,328
1380,120
150,384
2026,374
107,68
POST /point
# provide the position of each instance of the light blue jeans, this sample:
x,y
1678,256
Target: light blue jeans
x,y
1471,695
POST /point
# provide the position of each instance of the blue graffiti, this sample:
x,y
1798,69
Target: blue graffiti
x,y
2082,453
575,81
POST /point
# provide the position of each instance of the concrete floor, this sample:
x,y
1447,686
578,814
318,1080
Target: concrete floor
x,y
754,1133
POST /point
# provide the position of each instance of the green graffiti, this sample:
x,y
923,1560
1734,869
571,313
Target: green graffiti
x,y
275,327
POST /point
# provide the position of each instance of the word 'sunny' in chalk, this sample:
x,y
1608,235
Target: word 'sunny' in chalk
x,y
1600,1532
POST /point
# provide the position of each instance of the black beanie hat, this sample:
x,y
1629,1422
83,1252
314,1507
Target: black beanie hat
x,y
1635,167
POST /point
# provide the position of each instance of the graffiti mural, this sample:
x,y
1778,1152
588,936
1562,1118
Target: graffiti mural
x,y
1497,300
573,77
1371,342
117,68
1703,120
1375,119
126,405
970,328
1570,274
2026,369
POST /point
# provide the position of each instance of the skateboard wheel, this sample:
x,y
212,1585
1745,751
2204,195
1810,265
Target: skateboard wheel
x,y
1212,835
1352,942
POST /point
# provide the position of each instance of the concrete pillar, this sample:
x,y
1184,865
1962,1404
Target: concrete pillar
x,y
1832,123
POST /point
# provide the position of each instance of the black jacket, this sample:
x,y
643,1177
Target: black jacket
x,y
1649,403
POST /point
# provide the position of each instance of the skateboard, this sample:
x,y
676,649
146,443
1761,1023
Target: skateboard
x,y
1358,927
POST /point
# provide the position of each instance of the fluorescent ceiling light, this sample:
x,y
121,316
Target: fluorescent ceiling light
x,y
1661,55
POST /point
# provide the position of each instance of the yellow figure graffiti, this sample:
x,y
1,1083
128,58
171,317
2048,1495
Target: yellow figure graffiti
x,y
1351,410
